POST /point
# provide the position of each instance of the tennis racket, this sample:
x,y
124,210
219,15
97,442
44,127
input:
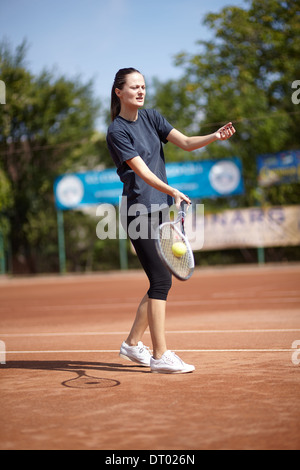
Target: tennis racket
x,y
174,248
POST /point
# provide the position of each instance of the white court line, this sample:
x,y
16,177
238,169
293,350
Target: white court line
x,y
172,303
251,292
99,351
117,333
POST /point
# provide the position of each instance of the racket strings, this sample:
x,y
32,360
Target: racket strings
x,y
181,266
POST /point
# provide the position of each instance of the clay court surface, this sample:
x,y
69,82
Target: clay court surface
x,y
65,387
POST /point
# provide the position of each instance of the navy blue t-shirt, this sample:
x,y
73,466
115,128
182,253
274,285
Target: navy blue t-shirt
x,y
143,138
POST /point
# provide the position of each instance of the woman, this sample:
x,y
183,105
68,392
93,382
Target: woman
x,y
135,143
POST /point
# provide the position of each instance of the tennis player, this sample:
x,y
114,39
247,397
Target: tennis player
x,y
134,140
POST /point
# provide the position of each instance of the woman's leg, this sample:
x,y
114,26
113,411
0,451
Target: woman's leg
x,y
152,309
140,323
157,320
151,312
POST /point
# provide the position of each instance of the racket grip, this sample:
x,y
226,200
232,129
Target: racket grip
x,y
184,207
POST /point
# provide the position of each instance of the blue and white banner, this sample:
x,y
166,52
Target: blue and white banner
x,y
197,179
83,189
209,178
279,168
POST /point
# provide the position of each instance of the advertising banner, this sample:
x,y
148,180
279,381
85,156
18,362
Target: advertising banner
x,y
250,228
92,188
279,168
208,178
197,179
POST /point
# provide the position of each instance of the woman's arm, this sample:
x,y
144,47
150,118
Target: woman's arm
x,y
193,143
189,144
138,165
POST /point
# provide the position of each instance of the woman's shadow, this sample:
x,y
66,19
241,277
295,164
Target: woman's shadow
x,y
81,369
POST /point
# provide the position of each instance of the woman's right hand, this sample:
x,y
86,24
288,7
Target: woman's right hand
x,y
180,197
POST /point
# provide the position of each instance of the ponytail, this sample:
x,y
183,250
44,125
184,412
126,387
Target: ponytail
x,y
120,80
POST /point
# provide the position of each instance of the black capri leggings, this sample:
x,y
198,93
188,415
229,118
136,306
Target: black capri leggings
x,y
159,277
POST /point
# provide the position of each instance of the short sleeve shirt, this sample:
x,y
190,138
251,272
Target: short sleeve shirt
x,y
143,138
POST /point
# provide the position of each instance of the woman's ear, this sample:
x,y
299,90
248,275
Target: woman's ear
x,y
118,92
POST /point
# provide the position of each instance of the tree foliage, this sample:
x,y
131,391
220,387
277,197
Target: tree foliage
x,y
243,74
46,128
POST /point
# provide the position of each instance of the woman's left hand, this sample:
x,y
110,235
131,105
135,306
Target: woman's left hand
x,y
225,132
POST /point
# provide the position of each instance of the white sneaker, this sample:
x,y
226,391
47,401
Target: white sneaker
x,y
169,363
139,354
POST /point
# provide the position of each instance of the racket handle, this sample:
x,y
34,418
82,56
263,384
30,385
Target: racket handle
x,y
184,207
182,214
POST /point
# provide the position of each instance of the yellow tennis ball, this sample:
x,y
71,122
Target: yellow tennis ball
x,y
179,249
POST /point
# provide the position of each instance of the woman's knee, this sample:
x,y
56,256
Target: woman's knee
x,y
160,288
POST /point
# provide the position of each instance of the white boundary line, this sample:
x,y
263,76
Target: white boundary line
x,y
117,333
99,351
242,269
172,303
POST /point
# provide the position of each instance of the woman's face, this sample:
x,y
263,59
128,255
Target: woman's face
x,y
134,91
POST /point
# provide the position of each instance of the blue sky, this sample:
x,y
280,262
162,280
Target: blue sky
x,y
94,38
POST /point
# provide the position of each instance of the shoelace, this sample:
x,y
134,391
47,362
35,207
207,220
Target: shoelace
x,y
172,357
144,348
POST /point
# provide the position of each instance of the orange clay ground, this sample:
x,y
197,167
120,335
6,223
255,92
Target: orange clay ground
x,y
65,387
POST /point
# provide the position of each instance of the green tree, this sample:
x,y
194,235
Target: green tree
x,y
245,74
5,205
178,107
46,128
5,193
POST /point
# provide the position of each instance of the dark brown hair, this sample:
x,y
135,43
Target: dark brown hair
x,y
120,80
